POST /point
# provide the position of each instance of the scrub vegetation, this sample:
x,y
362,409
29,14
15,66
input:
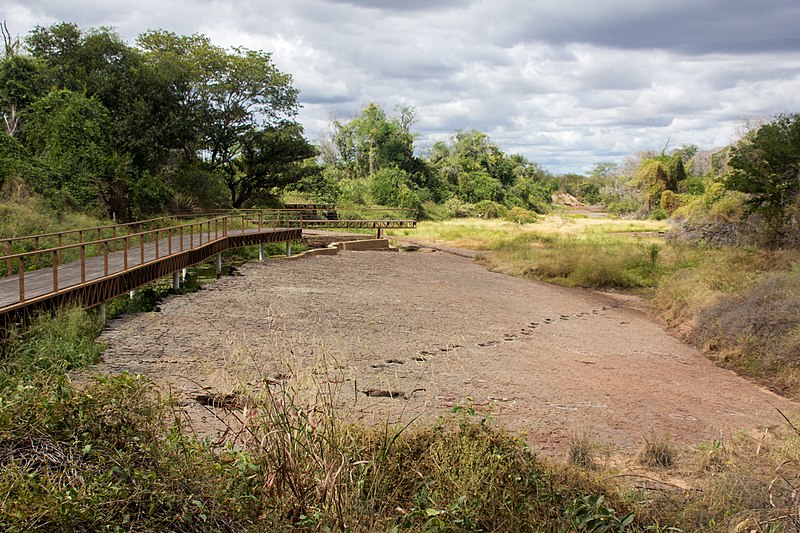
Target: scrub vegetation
x,y
96,130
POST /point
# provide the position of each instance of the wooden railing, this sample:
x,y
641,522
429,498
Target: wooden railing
x,y
72,255
128,247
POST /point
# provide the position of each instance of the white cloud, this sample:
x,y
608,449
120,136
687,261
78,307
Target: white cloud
x,y
565,82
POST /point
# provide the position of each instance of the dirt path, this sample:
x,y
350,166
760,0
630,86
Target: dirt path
x,y
438,329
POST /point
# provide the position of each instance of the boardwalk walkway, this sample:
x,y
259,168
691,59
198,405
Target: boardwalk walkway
x,y
97,264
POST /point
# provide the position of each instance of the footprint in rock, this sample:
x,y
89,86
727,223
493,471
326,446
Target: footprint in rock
x,y
449,347
488,344
395,362
419,358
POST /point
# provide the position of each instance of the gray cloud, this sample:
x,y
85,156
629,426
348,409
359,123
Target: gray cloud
x,y
565,82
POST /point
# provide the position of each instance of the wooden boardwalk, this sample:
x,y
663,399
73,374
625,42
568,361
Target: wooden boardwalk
x,y
90,272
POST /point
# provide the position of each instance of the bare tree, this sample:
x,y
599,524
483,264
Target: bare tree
x,y
10,44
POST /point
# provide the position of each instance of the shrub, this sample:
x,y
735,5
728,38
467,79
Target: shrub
x,y
582,449
670,202
521,216
755,330
489,209
456,208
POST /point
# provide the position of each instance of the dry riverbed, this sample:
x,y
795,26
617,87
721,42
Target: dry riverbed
x,y
401,336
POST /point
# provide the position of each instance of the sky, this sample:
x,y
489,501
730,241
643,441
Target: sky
x,y
566,83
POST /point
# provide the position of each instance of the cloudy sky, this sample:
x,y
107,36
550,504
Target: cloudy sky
x,y
567,83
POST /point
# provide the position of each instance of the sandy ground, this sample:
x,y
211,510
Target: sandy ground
x,y
436,329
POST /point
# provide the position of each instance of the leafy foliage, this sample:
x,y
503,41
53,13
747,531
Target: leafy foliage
x,y
765,164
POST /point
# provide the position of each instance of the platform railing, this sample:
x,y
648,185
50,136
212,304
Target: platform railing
x,y
131,245
121,252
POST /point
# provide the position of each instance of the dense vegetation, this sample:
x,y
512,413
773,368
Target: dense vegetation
x,y
96,128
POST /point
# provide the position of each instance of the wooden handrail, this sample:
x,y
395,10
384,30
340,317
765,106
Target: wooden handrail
x,y
96,242
207,231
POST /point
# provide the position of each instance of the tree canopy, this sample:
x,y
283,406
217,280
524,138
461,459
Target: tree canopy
x,y
765,164
128,130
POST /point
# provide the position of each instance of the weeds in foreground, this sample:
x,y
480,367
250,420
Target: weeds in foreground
x,y
582,449
112,454
658,451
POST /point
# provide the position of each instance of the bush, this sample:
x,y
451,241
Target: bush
x,y
755,331
521,216
670,202
456,208
489,209
658,451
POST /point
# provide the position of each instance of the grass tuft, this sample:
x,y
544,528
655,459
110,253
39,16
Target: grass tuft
x,y
658,451
582,450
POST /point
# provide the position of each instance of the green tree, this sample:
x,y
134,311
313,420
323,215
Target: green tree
x,y
765,164
372,140
658,174
21,82
231,101
271,158
70,136
144,111
13,158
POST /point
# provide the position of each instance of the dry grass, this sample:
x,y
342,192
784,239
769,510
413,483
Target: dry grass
x,y
658,451
583,449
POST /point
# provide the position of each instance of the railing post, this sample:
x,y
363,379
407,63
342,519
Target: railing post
x,y
125,253
260,220
61,243
141,247
225,227
156,244
105,258
36,247
181,238
191,236
114,239
9,264
216,229
83,264
55,269
21,280
200,234
243,218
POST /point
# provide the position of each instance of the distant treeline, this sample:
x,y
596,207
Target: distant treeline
x,y
175,122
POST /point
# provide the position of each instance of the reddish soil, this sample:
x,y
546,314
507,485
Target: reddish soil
x,y
436,329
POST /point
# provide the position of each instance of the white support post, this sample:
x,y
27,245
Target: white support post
x,y
101,314
260,252
183,275
176,280
219,265
132,294
288,248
